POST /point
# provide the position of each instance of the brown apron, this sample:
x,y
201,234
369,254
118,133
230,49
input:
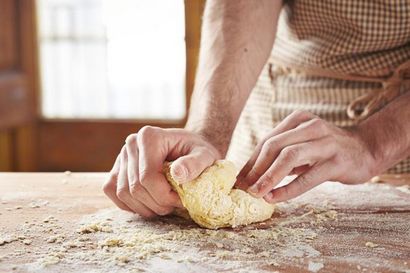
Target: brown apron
x,y
341,60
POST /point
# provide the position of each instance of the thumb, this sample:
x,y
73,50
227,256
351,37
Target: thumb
x,y
190,166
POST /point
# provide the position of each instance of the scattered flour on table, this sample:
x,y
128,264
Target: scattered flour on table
x,y
404,188
315,267
111,240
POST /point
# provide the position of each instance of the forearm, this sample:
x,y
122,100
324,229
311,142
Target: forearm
x,y
237,38
387,133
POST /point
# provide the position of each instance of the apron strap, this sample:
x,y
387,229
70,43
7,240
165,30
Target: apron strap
x,y
391,86
374,100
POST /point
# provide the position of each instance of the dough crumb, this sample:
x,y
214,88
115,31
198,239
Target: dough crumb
x,y
55,239
38,203
371,244
95,227
7,240
404,188
314,267
122,260
112,242
49,219
49,260
27,242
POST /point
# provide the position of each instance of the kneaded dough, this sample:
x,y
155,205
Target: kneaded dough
x,y
212,203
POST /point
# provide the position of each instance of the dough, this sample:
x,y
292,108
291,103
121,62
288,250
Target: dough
x,y
212,203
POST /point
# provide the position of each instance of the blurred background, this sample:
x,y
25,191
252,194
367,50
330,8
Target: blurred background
x,y
78,76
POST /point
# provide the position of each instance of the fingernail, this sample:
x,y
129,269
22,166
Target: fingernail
x,y
253,189
180,173
250,178
238,182
269,197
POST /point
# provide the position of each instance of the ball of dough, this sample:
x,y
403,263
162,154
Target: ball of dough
x,y
212,203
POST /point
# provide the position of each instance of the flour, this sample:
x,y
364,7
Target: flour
x,y
315,267
131,244
404,188
115,241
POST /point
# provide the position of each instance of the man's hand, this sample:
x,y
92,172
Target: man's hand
x,y
310,147
136,182
237,38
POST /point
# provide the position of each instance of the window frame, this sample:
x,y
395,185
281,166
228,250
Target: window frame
x,y
79,144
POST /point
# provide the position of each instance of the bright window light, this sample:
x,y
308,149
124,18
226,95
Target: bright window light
x,y
112,58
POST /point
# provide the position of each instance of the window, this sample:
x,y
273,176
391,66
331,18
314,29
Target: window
x,y
112,58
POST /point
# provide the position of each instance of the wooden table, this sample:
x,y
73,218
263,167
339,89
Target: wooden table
x,y
62,222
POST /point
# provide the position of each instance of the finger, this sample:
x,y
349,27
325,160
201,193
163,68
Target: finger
x,y
135,188
123,192
110,187
304,182
153,150
300,170
132,158
308,153
189,167
290,122
141,194
307,131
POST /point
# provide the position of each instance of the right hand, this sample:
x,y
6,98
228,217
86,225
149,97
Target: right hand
x,y
137,183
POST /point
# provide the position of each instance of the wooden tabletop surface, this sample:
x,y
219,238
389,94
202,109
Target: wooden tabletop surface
x,y
62,222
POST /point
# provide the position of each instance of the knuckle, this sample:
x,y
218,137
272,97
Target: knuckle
x,y
135,190
287,192
318,124
163,202
131,139
122,194
133,182
270,145
163,211
301,114
144,178
146,214
147,132
266,185
268,179
290,154
304,181
166,200
108,186
256,172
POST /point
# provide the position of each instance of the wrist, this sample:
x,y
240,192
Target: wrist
x,y
217,137
383,140
373,152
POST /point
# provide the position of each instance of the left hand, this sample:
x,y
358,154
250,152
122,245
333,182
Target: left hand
x,y
313,149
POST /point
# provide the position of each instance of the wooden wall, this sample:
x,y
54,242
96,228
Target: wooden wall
x,y
29,142
18,85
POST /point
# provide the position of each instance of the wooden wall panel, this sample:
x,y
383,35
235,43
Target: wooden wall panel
x,y
14,100
8,42
84,145
6,151
26,135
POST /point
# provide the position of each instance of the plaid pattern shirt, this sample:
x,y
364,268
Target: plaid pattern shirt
x,y
327,55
